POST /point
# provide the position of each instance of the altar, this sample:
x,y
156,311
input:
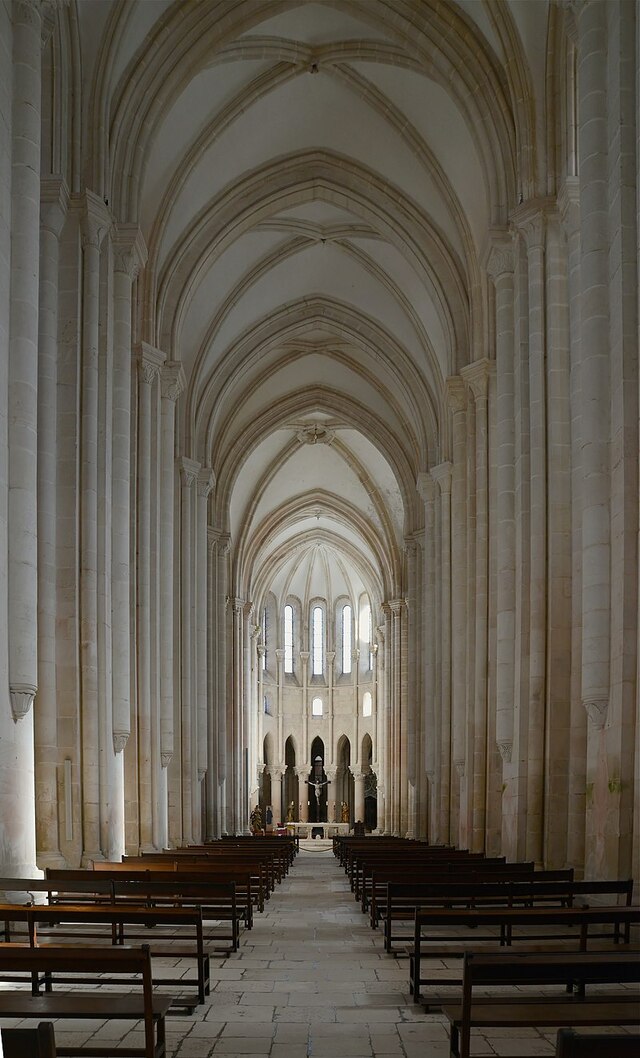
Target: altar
x,y
329,830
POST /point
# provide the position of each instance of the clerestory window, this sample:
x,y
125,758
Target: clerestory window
x,y
346,639
317,641
288,638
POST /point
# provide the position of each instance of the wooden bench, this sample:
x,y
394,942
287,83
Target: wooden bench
x,y
141,1005
570,1044
30,1043
400,899
505,920
229,896
119,919
573,970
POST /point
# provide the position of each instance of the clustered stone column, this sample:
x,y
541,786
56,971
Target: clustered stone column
x,y
53,211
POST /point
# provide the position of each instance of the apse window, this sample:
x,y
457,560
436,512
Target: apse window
x,y
317,637
366,703
316,707
288,638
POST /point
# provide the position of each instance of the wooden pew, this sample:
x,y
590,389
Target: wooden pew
x,y
119,919
140,1005
30,1043
573,970
505,921
401,899
570,1044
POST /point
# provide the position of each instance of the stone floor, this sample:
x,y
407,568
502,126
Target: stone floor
x,y
310,979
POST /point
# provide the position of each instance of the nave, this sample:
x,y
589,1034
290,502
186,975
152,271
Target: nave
x,y
310,979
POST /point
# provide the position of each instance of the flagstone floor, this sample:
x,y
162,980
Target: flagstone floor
x,y
311,980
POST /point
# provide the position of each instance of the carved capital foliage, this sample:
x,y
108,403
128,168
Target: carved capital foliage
x,y
456,394
206,482
172,379
330,656
426,486
597,709
224,544
95,220
442,474
500,259
165,759
150,361
129,249
530,221
54,203
476,376
396,607
460,768
358,775
505,748
201,774
188,471
120,739
21,696
275,771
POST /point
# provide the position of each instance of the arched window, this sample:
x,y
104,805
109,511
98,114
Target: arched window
x,y
366,703
288,638
346,638
317,641
316,707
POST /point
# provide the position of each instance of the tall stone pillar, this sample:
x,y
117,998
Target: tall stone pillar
x,y
95,224
531,222
276,771
303,792
594,372
223,547
172,383
428,815
149,364
333,808
477,377
380,751
500,268
442,475
129,256
398,720
358,797
23,362
414,626
457,402
53,210
237,611
206,482
569,205
189,476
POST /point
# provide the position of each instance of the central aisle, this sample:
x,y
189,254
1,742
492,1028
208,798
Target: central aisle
x,y
311,979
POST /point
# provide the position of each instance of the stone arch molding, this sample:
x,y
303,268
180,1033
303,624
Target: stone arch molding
x,y
437,41
285,182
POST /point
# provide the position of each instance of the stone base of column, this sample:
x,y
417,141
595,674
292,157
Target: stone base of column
x,y
89,857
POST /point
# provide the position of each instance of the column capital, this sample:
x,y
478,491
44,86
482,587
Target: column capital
x,y
172,379
426,486
442,474
304,656
357,773
301,770
236,604
224,543
396,606
262,650
597,709
120,739
279,653
129,249
530,220
506,748
330,656
188,471
21,696
500,261
476,375
331,771
206,482
276,771
95,220
150,361
54,203
455,393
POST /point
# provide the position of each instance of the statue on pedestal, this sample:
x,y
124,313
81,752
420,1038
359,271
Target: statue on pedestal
x,y
344,812
290,813
255,820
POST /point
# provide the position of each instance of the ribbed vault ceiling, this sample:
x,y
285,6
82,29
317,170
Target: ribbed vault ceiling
x,y
316,183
